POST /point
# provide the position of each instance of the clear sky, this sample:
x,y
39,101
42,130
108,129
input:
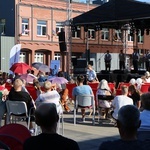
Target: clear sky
x,y
137,0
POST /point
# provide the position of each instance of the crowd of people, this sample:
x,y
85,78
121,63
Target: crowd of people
x,y
130,111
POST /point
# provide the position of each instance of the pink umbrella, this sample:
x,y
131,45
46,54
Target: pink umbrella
x,y
58,80
27,77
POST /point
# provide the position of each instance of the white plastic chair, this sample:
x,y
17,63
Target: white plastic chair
x,y
84,101
17,109
61,118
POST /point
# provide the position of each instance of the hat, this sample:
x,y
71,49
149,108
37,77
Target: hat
x,y
147,74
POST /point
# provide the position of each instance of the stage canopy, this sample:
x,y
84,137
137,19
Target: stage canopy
x,y
115,14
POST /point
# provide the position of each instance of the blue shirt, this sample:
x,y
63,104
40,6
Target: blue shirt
x,y
82,90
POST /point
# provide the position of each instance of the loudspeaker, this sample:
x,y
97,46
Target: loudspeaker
x,y
81,63
79,70
118,71
104,72
62,43
74,61
141,72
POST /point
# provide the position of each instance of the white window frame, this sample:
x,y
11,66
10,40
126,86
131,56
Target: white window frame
x,y
76,33
57,56
105,34
25,26
22,57
42,24
39,57
91,34
130,38
59,26
140,38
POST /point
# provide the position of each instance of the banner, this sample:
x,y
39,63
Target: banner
x,y
55,66
14,54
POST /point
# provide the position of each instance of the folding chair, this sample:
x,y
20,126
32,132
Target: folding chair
x,y
86,102
103,97
61,119
17,110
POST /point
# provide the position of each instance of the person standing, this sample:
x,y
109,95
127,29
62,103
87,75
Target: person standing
x,y
135,60
147,60
107,59
121,60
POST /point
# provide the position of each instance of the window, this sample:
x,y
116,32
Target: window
x,y
25,26
76,33
140,37
41,27
59,26
2,26
22,57
130,38
57,56
118,35
39,57
105,34
91,33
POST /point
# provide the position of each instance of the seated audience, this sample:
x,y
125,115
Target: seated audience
x,y
134,93
46,117
37,87
104,89
121,100
50,96
145,114
81,89
17,94
132,81
128,122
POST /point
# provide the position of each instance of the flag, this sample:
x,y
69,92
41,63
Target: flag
x,y
14,54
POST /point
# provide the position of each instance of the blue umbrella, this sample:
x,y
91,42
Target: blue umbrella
x,y
37,64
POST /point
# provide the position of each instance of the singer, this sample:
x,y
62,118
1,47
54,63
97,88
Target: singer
x,y
107,59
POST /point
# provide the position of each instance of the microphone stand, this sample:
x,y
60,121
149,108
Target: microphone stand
x,y
100,60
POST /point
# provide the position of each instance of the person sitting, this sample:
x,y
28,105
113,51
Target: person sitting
x,y
146,78
121,100
91,74
18,94
128,123
50,96
145,113
81,89
103,89
46,117
134,93
3,96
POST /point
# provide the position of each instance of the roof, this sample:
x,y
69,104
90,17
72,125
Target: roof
x,y
115,13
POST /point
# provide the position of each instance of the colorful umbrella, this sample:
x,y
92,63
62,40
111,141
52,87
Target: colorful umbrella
x,y
28,77
37,64
20,68
58,80
44,68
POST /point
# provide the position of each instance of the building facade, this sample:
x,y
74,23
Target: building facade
x,y
34,24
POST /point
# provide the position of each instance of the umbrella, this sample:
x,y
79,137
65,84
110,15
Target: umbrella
x,y
58,80
20,68
37,64
44,68
28,77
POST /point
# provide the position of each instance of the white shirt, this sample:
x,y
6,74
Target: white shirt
x,y
118,102
91,75
51,97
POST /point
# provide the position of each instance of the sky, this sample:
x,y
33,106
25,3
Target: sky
x,y
137,0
